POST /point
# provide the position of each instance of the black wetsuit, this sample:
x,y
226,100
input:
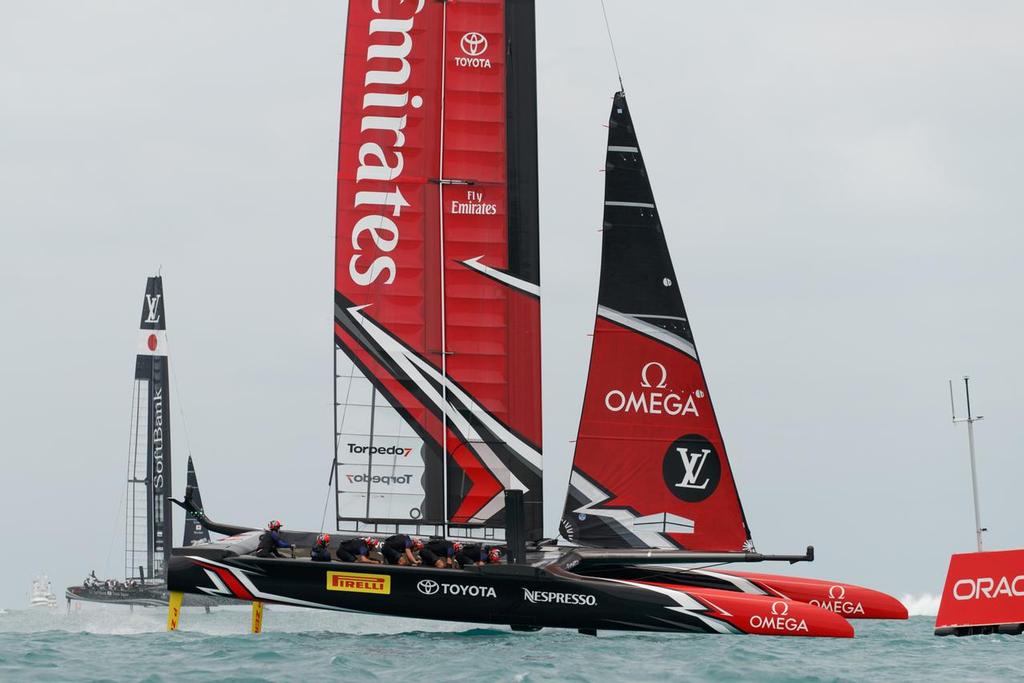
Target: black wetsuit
x,y
394,547
471,553
320,553
352,549
270,541
436,549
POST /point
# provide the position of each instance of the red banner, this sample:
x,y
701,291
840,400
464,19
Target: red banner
x,y
983,589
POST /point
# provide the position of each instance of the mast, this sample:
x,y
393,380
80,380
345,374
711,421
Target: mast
x,y
442,267
970,420
149,527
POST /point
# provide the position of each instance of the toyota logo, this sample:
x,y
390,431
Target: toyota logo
x,y
428,586
473,44
780,608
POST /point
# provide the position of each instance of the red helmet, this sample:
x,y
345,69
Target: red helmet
x,y
274,525
323,539
417,544
456,547
371,542
494,555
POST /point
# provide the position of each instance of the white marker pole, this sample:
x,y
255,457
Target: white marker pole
x,y
970,420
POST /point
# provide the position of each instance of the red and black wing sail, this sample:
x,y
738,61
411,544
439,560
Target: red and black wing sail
x,y
149,457
437,315
650,467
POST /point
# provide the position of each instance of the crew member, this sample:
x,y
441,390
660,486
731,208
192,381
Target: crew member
x,y
357,550
438,552
271,540
398,549
477,555
320,551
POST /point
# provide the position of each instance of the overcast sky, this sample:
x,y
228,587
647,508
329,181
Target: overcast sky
x,y
841,190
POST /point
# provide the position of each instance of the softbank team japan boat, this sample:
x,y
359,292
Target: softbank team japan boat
x,y
437,327
149,524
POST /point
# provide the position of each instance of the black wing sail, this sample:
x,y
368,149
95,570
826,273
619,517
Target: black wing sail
x,y
148,525
194,531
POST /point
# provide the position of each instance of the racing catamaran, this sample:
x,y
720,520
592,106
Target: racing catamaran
x,y
148,521
438,421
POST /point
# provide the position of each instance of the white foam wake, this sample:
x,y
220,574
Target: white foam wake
x,y
229,620
925,604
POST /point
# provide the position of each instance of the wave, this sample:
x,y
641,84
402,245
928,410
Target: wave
x,y
925,604
119,620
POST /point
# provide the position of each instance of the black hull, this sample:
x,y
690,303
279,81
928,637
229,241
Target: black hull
x,y
495,594
549,590
521,596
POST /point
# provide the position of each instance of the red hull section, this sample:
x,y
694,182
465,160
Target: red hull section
x,y
849,600
984,593
767,616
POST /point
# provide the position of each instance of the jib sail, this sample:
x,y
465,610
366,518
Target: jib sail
x,y
194,531
437,297
148,521
650,468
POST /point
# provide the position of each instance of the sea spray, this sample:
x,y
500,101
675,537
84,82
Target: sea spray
x,y
925,604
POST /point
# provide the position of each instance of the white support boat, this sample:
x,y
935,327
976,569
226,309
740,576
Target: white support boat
x,y
41,594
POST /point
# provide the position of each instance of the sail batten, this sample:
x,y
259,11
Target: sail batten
x,y
650,467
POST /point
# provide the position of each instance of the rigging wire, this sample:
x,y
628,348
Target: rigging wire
x,y
715,564
132,520
179,397
124,498
327,498
114,534
611,42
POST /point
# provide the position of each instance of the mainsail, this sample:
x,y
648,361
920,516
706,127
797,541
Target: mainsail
x,y
148,520
194,531
437,284
650,468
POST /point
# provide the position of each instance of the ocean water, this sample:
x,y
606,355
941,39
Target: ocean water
x,y
100,643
